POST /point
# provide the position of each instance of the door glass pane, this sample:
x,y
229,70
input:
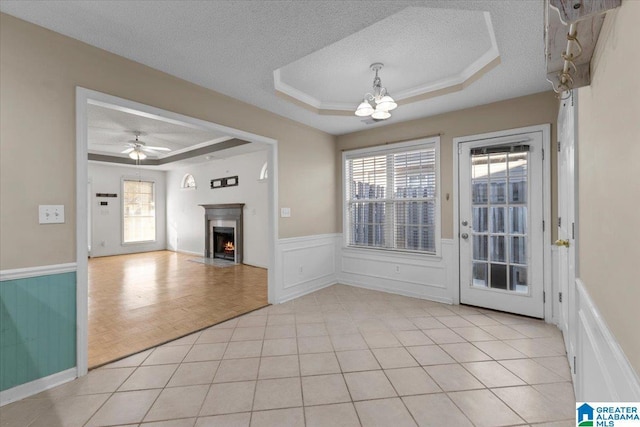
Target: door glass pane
x,y
497,176
480,274
518,218
518,250
480,248
499,276
497,190
519,278
479,222
518,178
497,220
498,249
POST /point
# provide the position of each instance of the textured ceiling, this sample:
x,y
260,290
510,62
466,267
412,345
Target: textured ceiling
x,y
234,47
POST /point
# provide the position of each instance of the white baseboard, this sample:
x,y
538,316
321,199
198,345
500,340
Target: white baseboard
x,y
36,386
43,270
604,373
402,292
198,254
402,273
306,290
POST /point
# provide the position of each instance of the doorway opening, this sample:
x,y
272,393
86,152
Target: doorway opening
x,y
232,142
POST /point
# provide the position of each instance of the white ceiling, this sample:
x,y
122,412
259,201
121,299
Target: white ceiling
x,y
234,47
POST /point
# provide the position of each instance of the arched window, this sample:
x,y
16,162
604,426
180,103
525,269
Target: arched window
x,y
188,181
264,172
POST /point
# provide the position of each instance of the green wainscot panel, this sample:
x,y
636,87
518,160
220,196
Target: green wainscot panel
x,y
37,328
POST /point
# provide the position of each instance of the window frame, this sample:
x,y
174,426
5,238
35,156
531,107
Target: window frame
x,y
122,205
392,148
183,183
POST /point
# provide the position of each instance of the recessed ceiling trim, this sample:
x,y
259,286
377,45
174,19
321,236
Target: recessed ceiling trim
x,y
456,82
194,147
452,88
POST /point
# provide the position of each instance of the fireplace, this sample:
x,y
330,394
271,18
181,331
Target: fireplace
x,y
224,231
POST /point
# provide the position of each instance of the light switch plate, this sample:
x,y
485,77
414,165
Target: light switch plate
x,y
285,212
51,214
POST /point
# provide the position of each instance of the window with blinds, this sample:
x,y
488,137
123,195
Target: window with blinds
x,y
391,197
138,211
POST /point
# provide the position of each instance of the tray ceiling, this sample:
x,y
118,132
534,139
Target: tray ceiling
x,y
425,51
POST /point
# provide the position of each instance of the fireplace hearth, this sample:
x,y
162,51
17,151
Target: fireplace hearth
x,y
224,231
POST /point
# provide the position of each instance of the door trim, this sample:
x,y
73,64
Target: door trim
x,y
546,214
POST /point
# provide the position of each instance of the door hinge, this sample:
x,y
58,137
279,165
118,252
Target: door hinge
x,y
559,222
543,154
544,296
542,225
574,365
573,230
559,296
558,146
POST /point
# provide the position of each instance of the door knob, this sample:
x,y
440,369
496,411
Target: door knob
x,y
464,236
564,243
464,223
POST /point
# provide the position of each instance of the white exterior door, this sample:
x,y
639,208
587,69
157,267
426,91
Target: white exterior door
x,y
566,223
501,223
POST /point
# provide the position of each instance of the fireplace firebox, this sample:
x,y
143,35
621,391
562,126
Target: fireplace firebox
x,y
224,243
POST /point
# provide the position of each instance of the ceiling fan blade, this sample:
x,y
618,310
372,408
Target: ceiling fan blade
x,y
107,143
158,148
127,151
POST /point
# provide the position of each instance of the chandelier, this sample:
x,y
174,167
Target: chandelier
x,y
379,103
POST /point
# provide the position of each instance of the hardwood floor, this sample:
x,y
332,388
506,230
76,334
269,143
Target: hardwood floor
x,y
142,300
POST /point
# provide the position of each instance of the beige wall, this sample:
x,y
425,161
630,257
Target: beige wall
x,y
518,112
39,71
609,178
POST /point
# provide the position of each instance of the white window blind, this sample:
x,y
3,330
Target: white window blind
x,y
391,198
139,211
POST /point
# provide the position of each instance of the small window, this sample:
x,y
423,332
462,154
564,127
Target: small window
x,y
391,198
264,172
188,181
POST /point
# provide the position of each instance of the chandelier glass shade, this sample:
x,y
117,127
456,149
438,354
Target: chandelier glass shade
x,y
378,103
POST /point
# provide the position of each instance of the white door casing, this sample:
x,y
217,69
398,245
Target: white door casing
x,y
504,229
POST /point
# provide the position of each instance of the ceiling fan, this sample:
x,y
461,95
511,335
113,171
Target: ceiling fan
x,y
137,149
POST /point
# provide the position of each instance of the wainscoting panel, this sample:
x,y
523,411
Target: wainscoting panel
x,y
38,333
407,274
306,265
603,371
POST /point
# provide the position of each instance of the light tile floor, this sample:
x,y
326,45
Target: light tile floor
x,y
342,356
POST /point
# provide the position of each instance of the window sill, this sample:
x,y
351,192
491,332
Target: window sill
x,y
141,242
